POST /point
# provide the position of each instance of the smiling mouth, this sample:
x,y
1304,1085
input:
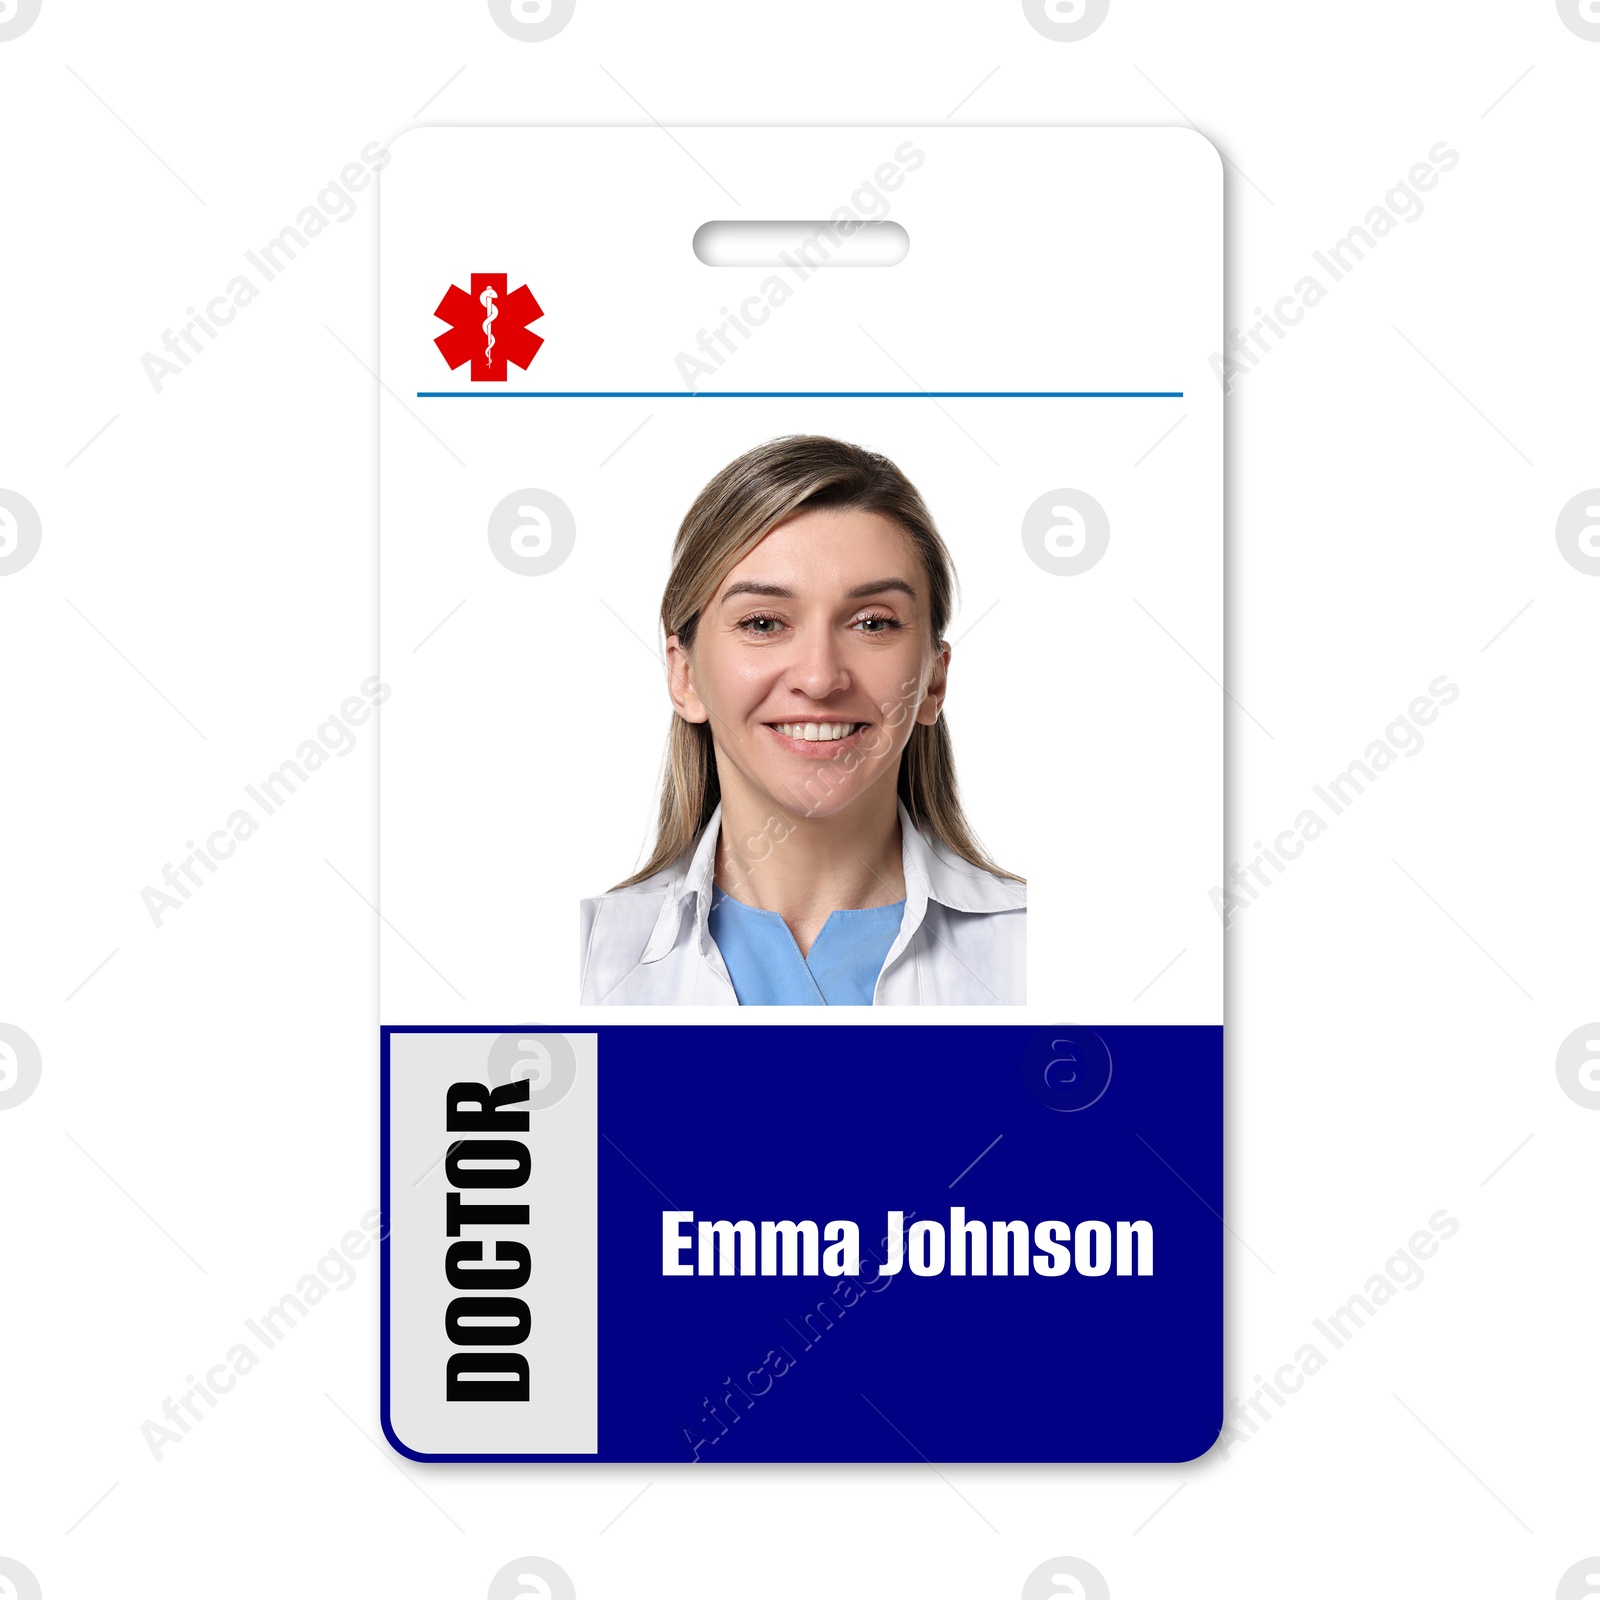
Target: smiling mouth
x,y
817,732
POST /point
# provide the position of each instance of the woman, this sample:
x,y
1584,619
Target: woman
x,y
811,848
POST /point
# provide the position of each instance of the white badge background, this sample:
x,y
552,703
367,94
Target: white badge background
x,y
522,745
222,1068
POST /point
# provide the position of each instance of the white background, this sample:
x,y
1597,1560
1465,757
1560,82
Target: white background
x,y
203,1130
523,738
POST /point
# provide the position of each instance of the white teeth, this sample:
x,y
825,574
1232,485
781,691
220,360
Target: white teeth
x,y
816,732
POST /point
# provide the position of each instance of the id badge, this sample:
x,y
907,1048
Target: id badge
x,y
801,789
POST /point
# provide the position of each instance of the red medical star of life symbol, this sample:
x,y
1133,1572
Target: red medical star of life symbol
x,y
488,327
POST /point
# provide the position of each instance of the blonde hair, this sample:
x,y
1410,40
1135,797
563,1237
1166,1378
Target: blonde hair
x,y
735,511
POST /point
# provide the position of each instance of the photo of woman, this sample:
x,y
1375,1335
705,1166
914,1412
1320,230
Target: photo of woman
x,y
811,847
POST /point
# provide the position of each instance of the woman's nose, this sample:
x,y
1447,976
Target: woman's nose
x,y
818,669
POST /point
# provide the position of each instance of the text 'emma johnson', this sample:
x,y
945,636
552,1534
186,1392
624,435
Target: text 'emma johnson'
x,y
976,1249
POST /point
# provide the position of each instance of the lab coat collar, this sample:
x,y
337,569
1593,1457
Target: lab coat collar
x,y
690,878
932,872
946,877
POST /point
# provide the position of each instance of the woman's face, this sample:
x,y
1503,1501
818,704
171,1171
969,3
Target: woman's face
x,y
813,661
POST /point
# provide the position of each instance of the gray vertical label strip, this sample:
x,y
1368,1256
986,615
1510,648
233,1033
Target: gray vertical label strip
x,y
560,1415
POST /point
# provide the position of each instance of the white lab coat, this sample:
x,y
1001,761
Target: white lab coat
x,y
962,938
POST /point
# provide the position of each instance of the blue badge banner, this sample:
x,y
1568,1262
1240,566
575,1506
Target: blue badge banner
x,y
802,1243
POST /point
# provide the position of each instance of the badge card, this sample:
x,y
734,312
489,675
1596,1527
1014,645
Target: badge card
x,y
801,793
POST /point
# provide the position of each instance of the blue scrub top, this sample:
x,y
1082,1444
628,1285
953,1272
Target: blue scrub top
x,y
768,970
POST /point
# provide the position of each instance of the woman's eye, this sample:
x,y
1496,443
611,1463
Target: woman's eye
x,y
878,624
763,626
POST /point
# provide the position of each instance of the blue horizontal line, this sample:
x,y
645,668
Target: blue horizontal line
x,y
800,394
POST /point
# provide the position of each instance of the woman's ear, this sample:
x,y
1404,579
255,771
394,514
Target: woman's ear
x,y
938,680
680,685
